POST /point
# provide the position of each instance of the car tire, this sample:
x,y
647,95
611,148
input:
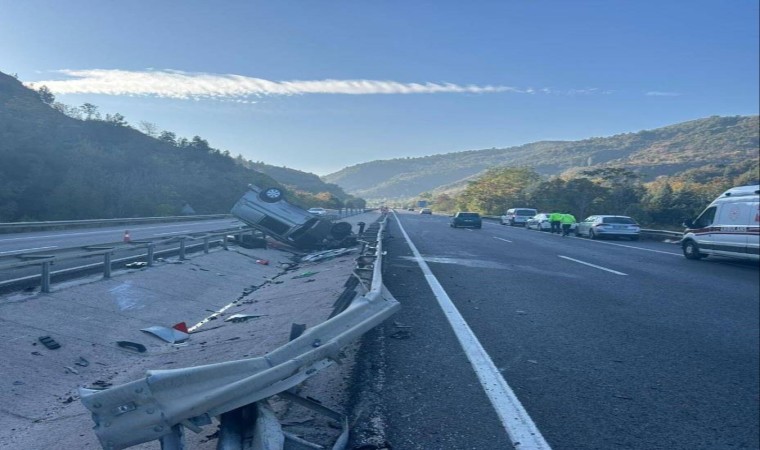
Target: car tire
x,y
634,238
592,235
691,250
271,195
511,223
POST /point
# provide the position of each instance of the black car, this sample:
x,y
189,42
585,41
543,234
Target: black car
x,y
466,219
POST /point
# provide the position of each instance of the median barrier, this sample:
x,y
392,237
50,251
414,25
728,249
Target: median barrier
x,y
164,402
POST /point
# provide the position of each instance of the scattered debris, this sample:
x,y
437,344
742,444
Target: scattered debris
x,y
134,346
81,362
68,400
100,384
401,334
70,369
170,335
49,342
136,265
236,318
327,254
36,353
181,326
263,262
304,275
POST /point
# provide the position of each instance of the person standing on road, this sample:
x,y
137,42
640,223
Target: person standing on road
x,y
555,219
567,222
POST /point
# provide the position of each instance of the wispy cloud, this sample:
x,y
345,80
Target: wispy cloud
x,y
185,85
662,94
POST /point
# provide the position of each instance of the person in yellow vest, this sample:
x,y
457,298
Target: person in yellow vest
x,y
567,221
555,219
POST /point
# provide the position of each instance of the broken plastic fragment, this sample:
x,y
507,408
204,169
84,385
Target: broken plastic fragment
x,y
170,335
240,317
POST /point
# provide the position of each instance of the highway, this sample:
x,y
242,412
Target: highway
x,y
40,241
583,344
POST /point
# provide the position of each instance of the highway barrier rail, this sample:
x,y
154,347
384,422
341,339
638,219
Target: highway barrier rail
x,y
164,402
106,256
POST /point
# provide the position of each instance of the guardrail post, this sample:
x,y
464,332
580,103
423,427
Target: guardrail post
x,y
224,243
151,251
46,277
174,440
182,249
107,265
205,244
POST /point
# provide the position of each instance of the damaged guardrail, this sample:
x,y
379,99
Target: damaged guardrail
x,y
164,402
56,224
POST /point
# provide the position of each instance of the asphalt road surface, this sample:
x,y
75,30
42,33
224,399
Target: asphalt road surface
x,y
602,344
40,241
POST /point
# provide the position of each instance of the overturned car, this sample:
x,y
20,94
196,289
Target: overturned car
x,y
267,211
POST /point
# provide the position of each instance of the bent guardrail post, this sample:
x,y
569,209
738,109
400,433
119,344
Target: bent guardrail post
x,y
148,408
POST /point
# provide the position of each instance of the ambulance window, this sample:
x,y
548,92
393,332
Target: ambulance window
x,y
706,218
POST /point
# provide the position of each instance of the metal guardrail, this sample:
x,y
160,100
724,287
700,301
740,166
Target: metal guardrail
x,y
47,259
29,226
160,405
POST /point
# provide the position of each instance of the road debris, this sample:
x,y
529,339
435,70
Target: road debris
x,y
170,335
49,342
237,318
134,346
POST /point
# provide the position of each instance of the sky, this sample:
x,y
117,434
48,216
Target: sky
x,y
321,85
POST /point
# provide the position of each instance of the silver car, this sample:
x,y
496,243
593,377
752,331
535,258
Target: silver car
x,y
539,222
596,227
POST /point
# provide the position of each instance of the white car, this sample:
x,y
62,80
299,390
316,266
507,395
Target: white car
x,y
317,211
539,222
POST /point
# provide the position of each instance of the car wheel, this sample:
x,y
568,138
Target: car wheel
x,y
511,223
634,238
691,250
271,195
591,234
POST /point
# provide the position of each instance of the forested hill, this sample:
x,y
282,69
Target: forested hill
x,y
57,167
714,141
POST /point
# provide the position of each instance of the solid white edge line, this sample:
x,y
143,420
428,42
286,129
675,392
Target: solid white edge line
x,y
514,418
27,250
592,265
502,239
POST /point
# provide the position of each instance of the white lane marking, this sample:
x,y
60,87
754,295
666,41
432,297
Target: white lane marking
x,y
593,265
27,250
514,418
502,239
637,248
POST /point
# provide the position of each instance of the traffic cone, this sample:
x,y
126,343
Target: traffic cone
x,y
127,238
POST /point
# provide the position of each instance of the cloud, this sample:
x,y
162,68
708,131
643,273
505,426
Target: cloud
x,y
185,85
662,94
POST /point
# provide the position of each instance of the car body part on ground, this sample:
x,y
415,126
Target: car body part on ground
x,y
466,219
729,226
170,335
317,211
517,216
601,226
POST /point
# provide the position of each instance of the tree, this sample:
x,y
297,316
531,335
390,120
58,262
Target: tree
x,y
90,111
168,137
116,119
149,128
46,96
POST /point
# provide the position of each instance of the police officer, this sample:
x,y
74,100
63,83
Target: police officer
x,y
555,219
567,221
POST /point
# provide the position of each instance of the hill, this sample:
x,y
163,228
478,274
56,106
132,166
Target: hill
x,y
672,150
57,167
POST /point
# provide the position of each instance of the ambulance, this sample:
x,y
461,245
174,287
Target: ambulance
x,y
729,227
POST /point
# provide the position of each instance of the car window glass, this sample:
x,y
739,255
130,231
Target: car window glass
x,y
706,218
619,220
